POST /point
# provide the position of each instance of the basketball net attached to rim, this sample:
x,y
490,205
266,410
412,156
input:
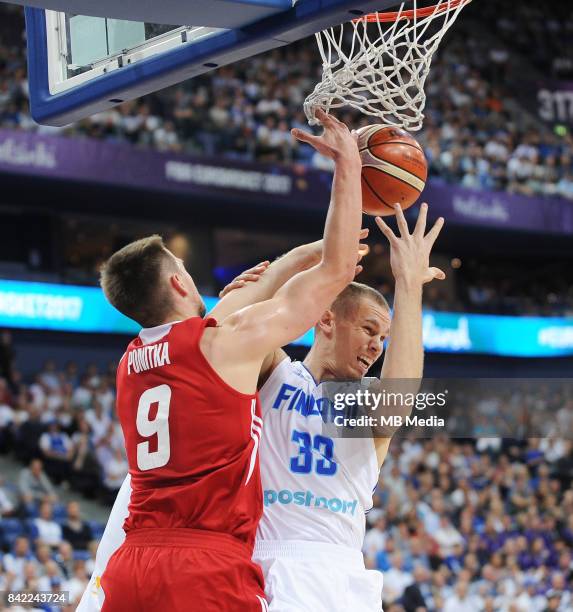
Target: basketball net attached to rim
x,y
378,63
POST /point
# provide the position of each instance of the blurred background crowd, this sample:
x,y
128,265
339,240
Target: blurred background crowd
x,y
476,132
461,527
59,427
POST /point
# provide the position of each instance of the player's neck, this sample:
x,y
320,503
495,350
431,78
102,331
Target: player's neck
x,y
318,364
176,316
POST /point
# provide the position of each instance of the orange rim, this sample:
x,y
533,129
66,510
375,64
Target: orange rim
x,y
411,14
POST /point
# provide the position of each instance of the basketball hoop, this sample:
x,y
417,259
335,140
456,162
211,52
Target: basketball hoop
x,y
378,63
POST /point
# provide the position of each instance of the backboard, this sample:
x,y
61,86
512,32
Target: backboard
x,y
80,64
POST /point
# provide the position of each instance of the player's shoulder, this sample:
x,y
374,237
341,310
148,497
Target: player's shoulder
x,y
172,344
172,330
293,371
188,331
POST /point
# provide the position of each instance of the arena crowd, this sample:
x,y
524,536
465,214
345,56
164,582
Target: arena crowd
x,y
475,134
483,524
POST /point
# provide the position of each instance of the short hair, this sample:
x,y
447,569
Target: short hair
x,y
131,281
348,299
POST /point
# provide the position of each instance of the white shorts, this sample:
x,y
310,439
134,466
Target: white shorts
x,y
314,576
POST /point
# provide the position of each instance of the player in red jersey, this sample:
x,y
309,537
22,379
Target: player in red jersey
x,y
187,403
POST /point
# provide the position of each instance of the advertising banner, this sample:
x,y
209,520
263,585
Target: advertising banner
x,y
275,186
84,309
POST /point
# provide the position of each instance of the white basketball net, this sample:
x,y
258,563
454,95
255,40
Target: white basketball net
x,y
380,68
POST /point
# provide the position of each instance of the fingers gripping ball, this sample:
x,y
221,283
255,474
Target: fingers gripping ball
x,y
394,169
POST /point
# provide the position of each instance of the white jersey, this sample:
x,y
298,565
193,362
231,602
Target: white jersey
x,y
113,537
315,487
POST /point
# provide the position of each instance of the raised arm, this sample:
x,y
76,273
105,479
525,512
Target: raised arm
x,y
263,281
263,327
410,262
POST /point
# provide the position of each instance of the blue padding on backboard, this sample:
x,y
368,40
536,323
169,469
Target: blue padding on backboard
x,y
145,76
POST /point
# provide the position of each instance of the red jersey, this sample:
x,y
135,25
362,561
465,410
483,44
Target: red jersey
x,y
192,440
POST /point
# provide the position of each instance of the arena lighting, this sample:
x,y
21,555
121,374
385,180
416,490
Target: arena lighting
x,y
73,308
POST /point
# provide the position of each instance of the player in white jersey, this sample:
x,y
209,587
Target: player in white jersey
x,y
317,489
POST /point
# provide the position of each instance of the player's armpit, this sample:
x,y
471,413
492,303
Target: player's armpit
x,y
270,362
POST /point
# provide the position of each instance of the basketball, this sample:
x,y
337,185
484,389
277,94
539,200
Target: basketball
x,y
394,169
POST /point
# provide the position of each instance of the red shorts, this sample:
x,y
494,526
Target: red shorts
x,y
182,570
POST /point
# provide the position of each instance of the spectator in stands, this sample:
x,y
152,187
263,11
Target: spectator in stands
x,y
85,470
375,538
64,557
39,393
43,552
77,583
51,576
6,356
98,419
461,600
7,504
34,485
115,471
74,530
104,395
6,395
447,537
71,375
83,393
30,580
396,579
6,418
49,376
48,531
6,423
57,451
418,595
565,186
29,433
14,562
165,138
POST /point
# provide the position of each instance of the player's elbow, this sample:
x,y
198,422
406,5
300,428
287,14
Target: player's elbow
x,y
339,273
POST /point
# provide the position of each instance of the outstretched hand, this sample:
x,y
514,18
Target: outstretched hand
x,y
335,142
248,276
410,253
